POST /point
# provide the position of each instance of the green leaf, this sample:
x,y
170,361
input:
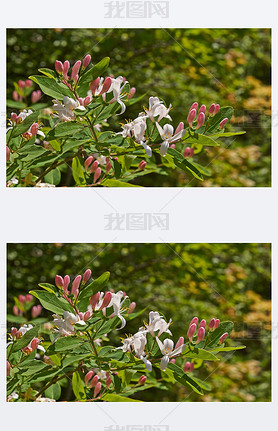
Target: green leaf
x,y
53,392
200,354
52,88
184,164
184,378
77,172
48,72
49,287
53,177
63,344
225,112
96,285
61,130
26,338
226,134
25,124
116,183
118,398
200,139
50,301
216,334
78,387
91,74
34,367
227,349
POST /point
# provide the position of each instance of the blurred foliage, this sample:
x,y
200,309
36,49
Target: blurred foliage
x,y
226,66
228,281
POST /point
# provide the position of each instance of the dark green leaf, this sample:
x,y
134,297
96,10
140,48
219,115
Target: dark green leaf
x,y
26,338
50,301
25,124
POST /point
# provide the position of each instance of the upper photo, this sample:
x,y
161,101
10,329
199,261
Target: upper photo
x,y
131,107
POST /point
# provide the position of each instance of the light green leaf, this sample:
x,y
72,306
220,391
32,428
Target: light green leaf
x,y
216,334
184,378
53,392
96,285
53,177
225,112
201,140
118,398
91,74
68,128
196,353
49,287
116,183
50,301
52,88
77,172
78,387
63,344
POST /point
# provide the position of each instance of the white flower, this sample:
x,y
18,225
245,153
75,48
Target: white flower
x,y
157,323
137,128
64,111
25,328
100,373
137,342
25,114
65,325
13,180
100,159
117,302
157,108
167,134
167,351
117,88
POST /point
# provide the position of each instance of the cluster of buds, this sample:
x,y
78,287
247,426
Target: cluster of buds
x,y
188,152
78,282
33,131
188,367
34,344
197,119
63,68
93,379
22,300
91,166
201,331
21,89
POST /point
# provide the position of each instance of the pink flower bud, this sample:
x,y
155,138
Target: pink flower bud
x,y
87,315
191,367
223,337
35,96
13,332
16,310
29,297
191,116
86,276
88,161
13,117
75,69
94,167
106,85
211,323
15,95
59,281
173,146
202,323
21,84
8,368
106,300
66,67
94,381
81,315
94,300
217,107
86,61
87,100
142,380
36,311
75,285
59,67
201,120
108,166
212,109
22,299
142,165
94,85
28,83
173,361
180,342
223,122
97,389
191,331
186,367
97,174
108,381
200,334
203,109
131,93
88,377
194,106
188,152
34,343
131,307
8,153
217,321
179,128
34,129
27,350
66,283
194,320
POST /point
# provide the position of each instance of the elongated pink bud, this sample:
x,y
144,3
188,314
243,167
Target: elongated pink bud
x,y
88,161
200,334
191,116
131,93
106,300
188,152
28,83
75,69
223,122
94,381
179,128
16,310
88,377
22,299
8,368
13,117
131,307
142,380
29,297
36,311
81,315
66,283
8,153
75,285
202,323
202,109
217,321
211,323
21,84
194,106
59,281
97,174
86,61
87,315
94,167
108,381
173,146
35,96
201,120
180,342
142,165
223,337
94,85
13,332
15,95
87,100
217,107
59,67
94,300
34,343
86,276
66,67
106,85
97,389
34,129
108,166
191,331
186,367
212,109
194,320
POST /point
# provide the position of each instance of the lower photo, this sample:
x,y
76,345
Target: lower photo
x,y
138,322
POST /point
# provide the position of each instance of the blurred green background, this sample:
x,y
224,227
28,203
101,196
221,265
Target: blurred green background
x,y
226,66
228,281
